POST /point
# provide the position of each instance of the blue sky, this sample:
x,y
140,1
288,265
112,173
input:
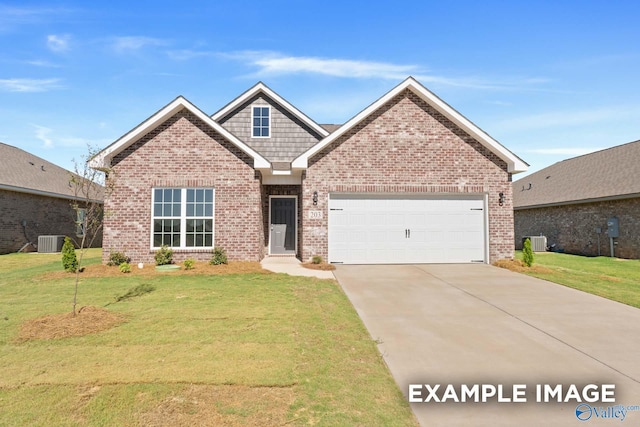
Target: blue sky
x,y
548,79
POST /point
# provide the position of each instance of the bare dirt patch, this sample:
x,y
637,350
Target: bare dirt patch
x,y
322,266
149,270
88,320
209,405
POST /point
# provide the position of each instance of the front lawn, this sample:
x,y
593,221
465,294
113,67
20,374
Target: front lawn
x,y
612,278
201,349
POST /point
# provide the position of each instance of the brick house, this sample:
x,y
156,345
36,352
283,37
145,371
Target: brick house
x,y
35,200
408,179
574,202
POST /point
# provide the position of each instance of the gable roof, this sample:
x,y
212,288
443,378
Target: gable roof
x,y
262,88
604,175
24,172
103,159
514,163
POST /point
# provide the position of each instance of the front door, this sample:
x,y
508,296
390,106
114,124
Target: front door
x,y
283,226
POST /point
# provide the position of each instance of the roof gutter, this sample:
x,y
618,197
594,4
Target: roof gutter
x,y
579,202
46,193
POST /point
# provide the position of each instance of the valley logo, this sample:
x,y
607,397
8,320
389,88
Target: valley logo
x,y
585,412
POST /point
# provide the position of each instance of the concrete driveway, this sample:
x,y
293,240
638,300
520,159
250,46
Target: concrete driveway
x,y
478,324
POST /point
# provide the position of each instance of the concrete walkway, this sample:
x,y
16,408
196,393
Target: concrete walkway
x,y
293,267
478,324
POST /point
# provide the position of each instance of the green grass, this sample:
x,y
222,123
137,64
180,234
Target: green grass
x,y
612,278
250,349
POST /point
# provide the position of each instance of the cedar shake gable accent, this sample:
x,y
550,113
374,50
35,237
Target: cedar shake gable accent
x,y
291,132
513,162
261,88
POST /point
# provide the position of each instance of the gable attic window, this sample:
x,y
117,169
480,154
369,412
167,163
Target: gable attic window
x,y
182,217
261,119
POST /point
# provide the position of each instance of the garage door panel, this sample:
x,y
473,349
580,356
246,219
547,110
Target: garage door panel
x,y
371,229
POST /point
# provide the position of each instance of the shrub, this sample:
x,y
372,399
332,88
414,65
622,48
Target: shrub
x,y
188,264
316,259
527,253
69,259
125,267
219,257
164,255
117,258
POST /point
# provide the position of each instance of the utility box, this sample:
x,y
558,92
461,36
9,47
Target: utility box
x,y
50,244
613,230
538,243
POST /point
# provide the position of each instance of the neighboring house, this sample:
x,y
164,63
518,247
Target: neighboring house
x,y
407,180
577,202
35,200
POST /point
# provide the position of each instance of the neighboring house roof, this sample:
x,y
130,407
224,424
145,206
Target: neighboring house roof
x,y
24,172
103,159
514,163
604,175
262,88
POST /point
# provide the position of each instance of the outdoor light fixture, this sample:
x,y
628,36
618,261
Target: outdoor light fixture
x,y
315,198
501,199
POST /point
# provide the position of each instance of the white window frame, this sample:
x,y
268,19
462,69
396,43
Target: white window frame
x,y
81,221
268,107
183,219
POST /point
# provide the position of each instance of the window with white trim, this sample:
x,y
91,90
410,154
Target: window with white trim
x,y
182,217
261,118
81,221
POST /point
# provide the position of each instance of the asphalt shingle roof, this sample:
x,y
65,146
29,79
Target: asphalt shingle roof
x,y
22,171
611,173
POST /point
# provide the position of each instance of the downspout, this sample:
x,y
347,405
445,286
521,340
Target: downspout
x,y
24,231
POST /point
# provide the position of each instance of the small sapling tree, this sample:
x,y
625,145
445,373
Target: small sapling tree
x,y
527,253
89,193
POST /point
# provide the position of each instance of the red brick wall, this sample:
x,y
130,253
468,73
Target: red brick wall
x,y
573,227
184,152
44,216
407,146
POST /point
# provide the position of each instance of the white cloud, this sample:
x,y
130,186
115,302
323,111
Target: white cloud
x,y
29,85
52,139
44,134
12,17
130,44
332,67
44,64
58,43
275,63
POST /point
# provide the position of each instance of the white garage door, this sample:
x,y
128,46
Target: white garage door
x,y
374,229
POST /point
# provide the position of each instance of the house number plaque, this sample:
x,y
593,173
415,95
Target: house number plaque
x,y
315,214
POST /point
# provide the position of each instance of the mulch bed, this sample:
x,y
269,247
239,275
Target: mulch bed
x,y
322,266
519,267
88,320
101,270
